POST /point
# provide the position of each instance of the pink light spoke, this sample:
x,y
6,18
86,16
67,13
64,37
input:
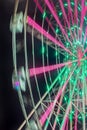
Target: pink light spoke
x,y
57,19
40,8
70,11
32,23
76,118
63,124
38,5
71,15
82,13
46,114
76,11
48,21
63,10
44,69
76,16
65,119
67,124
52,105
54,125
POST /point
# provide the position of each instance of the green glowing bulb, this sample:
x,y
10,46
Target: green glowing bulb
x,y
80,93
67,44
73,58
76,89
44,14
65,98
68,34
86,3
43,50
72,112
65,5
72,3
67,56
74,64
79,8
57,30
56,53
80,117
60,13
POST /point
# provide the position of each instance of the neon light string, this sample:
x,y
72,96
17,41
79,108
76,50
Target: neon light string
x,y
65,16
70,11
61,4
65,118
76,11
52,105
67,124
85,51
32,23
44,69
48,21
63,10
76,16
85,36
47,112
69,103
71,117
57,19
41,10
45,128
40,70
83,99
76,119
58,111
83,12
43,97
80,53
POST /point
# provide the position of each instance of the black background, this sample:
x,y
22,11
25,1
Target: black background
x,y
10,112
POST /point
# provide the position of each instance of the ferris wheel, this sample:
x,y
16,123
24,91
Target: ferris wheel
x,y
52,82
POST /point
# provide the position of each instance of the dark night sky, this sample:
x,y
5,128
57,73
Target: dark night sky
x,y
10,113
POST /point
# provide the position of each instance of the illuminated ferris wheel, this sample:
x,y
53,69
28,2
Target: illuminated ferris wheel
x,y
52,82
